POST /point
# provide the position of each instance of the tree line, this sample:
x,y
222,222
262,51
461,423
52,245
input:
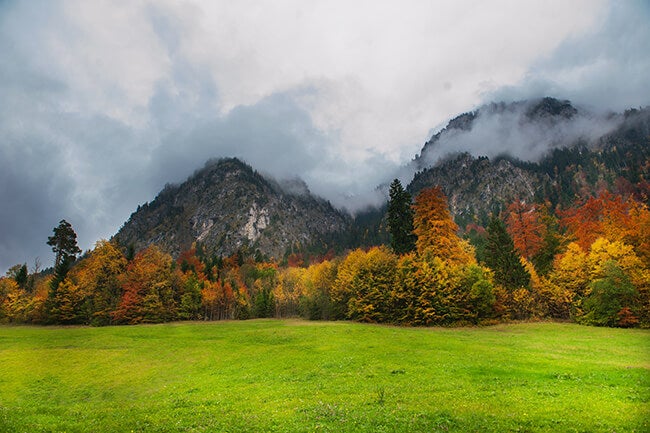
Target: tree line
x,y
589,263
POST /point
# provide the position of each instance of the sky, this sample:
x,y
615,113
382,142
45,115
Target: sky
x,y
102,103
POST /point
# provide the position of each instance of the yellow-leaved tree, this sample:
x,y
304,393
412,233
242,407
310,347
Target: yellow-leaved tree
x,y
609,284
99,278
436,230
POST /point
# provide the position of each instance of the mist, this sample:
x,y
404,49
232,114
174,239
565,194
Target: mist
x,y
508,129
103,103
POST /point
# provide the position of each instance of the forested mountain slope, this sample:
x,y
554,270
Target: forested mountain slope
x,y
548,154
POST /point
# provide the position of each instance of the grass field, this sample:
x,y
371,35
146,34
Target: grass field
x,y
296,376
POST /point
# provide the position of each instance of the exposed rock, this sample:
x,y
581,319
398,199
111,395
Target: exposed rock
x,y
226,206
546,150
478,186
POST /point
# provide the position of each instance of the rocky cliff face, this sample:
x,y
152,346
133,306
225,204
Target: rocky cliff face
x,y
542,150
477,186
227,206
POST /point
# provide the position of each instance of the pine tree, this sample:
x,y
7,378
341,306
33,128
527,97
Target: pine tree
x,y
501,257
64,245
400,219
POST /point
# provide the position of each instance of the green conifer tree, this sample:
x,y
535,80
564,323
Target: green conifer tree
x,y
501,257
64,245
400,219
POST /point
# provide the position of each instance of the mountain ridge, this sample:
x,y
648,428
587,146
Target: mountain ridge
x,y
227,206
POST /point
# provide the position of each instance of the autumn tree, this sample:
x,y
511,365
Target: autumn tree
x,y
638,233
217,300
149,288
501,257
606,215
435,229
289,291
430,291
18,305
306,291
193,280
319,278
607,283
571,271
400,219
9,290
99,276
70,305
363,285
525,228
371,286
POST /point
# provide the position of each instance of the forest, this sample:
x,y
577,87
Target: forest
x,y
588,263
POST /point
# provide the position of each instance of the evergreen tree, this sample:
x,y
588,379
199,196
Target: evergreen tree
x,y
501,257
64,245
19,274
400,219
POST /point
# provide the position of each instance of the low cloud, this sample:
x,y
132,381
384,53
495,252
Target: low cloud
x,y
508,129
102,103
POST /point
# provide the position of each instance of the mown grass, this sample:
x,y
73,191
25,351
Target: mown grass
x,y
296,376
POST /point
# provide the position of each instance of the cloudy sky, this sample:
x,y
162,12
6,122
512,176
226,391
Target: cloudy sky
x,y
103,102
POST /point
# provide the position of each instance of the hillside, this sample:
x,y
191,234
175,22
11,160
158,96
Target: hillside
x,y
227,206
546,151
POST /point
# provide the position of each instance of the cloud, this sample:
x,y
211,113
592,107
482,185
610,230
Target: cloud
x,y
510,129
102,103
604,68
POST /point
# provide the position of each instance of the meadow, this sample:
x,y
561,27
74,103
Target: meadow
x,y
299,376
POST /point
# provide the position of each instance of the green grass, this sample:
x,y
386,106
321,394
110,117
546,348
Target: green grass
x,y
271,375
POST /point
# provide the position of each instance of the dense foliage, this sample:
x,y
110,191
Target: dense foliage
x,y
589,263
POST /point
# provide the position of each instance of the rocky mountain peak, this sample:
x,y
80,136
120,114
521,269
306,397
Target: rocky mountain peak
x,y
226,206
549,108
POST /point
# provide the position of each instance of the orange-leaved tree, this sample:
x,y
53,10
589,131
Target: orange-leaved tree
x,y
436,230
525,228
607,216
149,287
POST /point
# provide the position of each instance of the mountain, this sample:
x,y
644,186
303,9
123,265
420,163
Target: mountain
x,y
544,150
226,207
525,130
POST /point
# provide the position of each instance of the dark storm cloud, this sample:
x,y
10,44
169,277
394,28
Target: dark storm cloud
x,y
273,135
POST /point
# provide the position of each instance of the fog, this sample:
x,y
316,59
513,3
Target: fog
x,y
510,130
102,103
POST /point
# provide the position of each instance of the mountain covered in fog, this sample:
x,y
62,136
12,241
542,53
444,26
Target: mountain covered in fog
x,y
544,150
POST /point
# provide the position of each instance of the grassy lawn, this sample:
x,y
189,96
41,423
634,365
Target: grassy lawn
x,y
271,375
